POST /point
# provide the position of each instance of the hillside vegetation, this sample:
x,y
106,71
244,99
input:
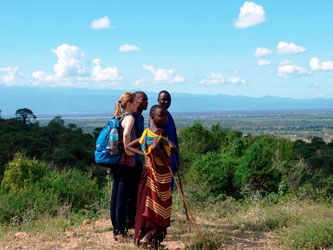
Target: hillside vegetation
x,y
254,184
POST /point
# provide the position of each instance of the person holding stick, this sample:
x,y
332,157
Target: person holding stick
x,y
154,197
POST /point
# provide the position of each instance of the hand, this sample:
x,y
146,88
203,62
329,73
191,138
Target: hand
x,y
173,147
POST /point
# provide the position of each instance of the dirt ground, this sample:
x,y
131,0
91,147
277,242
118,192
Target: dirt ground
x,y
181,235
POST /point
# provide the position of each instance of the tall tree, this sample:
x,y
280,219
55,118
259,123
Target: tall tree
x,y
25,115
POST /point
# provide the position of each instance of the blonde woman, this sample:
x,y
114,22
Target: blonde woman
x,y
126,105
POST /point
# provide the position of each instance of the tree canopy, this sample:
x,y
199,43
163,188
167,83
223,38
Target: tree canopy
x,y
25,115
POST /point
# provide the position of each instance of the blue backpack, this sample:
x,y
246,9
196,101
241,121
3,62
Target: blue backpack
x,y
103,149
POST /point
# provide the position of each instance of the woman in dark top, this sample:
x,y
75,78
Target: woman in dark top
x,y
126,105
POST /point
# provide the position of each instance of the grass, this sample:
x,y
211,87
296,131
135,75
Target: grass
x,y
257,223
292,223
317,235
213,241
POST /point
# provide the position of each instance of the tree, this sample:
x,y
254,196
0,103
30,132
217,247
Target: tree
x,y
58,122
25,115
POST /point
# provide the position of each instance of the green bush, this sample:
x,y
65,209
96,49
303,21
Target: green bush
x,y
26,204
29,189
263,164
22,172
213,171
72,187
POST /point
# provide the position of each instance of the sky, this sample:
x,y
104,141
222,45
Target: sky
x,y
277,48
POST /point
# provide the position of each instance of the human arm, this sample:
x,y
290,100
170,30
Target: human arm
x,y
127,124
173,147
157,150
133,147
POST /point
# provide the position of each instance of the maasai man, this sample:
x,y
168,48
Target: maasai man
x,y
135,173
164,99
154,197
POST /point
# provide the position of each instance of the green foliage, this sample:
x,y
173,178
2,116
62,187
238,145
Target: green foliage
x,y
72,187
25,115
22,172
213,171
26,204
226,163
317,235
29,189
55,143
263,164
213,240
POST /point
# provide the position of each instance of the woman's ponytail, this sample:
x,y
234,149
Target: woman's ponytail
x,y
117,110
124,99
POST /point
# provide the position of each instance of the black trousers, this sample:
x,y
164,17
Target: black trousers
x,y
134,175
120,180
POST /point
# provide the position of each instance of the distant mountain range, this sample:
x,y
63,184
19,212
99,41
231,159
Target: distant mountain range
x,y
79,101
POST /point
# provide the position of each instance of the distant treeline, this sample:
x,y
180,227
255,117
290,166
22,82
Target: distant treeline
x,y
63,146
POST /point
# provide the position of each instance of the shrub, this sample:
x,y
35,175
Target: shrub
x,y
213,240
72,187
26,204
214,172
29,189
22,172
263,164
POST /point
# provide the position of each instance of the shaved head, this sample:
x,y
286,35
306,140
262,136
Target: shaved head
x,y
164,99
154,108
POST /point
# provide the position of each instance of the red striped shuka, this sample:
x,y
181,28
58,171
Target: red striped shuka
x,y
154,196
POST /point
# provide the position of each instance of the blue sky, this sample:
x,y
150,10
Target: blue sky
x,y
278,48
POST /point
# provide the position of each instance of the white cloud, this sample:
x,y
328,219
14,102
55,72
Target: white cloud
x,y
262,51
106,74
287,67
250,14
128,48
71,61
71,70
213,79
140,82
315,64
286,62
289,48
11,76
39,75
263,63
236,80
163,75
101,23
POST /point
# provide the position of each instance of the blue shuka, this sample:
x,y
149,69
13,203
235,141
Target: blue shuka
x,y
171,133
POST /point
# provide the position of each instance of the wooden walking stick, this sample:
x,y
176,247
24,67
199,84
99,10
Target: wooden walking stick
x,y
180,184
188,208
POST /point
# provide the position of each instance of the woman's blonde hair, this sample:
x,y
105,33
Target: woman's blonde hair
x,y
127,97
